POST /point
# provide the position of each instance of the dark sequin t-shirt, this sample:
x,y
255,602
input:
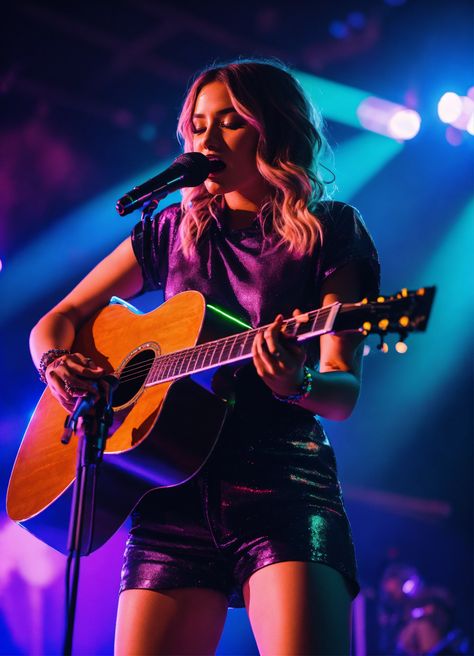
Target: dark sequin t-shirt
x,y
273,472
250,274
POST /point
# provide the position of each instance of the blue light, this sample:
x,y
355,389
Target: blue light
x,y
356,19
338,30
147,132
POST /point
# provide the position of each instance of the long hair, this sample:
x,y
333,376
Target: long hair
x,y
288,154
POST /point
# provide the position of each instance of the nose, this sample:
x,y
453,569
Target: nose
x,y
209,139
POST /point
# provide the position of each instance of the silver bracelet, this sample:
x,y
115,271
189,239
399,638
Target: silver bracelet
x,y
47,358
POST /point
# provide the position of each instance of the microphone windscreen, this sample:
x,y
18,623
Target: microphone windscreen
x,y
194,166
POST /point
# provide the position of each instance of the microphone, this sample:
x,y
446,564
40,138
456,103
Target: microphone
x,y
187,170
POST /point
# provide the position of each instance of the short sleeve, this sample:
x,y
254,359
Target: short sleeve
x,y
346,240
151,243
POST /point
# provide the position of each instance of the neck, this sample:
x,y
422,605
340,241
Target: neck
x,y
241,208
237,219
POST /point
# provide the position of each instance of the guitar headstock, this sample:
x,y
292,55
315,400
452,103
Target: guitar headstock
x,y
403,313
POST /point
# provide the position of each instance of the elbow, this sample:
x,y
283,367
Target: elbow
x,y
341,413
344,407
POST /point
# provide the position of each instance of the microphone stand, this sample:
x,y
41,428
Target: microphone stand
x,y
97,419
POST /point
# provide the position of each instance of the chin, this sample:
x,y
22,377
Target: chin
x,y
213,187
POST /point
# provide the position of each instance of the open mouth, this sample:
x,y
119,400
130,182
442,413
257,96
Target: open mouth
x,y
216,164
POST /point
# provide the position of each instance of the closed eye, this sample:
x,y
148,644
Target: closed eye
x,y
228,126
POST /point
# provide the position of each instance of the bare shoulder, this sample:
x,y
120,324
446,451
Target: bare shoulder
x,y
118,274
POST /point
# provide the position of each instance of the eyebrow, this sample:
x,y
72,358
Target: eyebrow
x,y
226,110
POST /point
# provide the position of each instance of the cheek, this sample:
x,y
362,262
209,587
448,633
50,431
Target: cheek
x,y
248,148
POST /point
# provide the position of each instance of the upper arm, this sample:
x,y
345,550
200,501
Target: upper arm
x,y
342,352
117,274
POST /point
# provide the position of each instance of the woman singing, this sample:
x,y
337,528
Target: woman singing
x,y
262,525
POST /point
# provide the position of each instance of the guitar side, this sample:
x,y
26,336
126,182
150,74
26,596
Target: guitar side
x,y
161,434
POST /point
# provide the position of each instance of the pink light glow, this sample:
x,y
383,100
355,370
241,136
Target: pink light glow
x,y
387,118
453,136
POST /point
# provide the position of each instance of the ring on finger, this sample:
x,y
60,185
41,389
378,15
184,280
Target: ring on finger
x,y
70,391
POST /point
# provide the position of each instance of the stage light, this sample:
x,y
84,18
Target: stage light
x,y
470,125
404,124
387,118
450,107
458,111
467,113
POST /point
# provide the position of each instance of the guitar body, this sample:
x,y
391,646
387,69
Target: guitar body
x,y
161,435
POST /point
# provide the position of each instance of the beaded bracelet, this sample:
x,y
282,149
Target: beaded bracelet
x,y
303,392
47,358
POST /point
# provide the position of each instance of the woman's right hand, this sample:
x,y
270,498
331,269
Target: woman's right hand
x,y
72,376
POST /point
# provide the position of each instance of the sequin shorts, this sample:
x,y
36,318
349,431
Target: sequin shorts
x,y
269,493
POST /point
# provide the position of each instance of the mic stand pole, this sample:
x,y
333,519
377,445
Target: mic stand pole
x,y
91,446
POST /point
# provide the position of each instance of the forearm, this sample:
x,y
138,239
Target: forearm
x,y
333,394
54,331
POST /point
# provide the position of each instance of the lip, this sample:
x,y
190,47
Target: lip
x,y
214,158
215,174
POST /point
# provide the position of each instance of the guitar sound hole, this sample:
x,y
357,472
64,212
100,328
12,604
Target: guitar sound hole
x,y
132,376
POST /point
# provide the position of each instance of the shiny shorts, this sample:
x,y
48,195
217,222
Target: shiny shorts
x,y
269,493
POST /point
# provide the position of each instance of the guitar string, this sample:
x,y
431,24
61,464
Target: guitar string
x,y
135,371
168,360
231,341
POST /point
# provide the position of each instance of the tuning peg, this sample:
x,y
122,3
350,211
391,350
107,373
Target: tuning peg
x,y
400,346
382,346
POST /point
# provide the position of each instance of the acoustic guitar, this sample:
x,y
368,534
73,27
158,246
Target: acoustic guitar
x,y
170,404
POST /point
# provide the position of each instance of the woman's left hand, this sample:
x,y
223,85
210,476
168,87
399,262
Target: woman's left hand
x,y
279,359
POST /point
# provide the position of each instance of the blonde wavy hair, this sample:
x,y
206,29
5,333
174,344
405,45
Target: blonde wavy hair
x,y
289,148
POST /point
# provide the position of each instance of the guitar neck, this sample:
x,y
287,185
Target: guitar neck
x,y
235,348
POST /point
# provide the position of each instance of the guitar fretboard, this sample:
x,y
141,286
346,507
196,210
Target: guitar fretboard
x,y
235,347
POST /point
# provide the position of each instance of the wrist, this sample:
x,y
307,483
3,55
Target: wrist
x,y
303,391
48,358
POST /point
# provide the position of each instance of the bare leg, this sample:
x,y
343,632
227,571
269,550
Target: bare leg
x,y
299,608
181,621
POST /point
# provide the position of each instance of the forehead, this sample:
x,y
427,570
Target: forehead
x,y
212,97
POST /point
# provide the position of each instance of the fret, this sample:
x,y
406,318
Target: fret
x,y
227,347
199,360
248,341
232,348
183,362
155,373
210,357
242,344
235,350
174,366
152,374
219,352
317,320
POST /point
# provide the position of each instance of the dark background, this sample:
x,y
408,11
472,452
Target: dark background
x,y
90,94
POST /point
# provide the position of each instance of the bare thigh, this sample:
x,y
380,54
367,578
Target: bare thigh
x,y
299,608
181,621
